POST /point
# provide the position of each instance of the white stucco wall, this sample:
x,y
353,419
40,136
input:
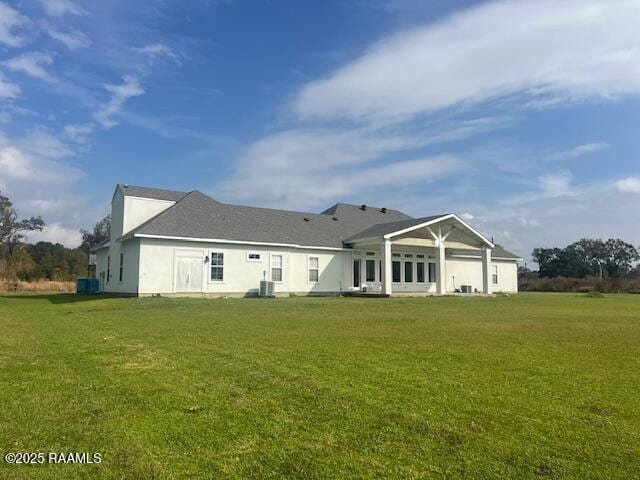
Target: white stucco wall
x,y
241,276
138,210
468,271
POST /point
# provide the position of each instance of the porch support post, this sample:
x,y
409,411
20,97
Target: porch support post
x,y
441,268
385,275
486,270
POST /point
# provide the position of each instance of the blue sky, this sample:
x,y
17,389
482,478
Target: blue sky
x,y
521,116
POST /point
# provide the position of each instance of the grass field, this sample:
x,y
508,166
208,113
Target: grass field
x,y
526,386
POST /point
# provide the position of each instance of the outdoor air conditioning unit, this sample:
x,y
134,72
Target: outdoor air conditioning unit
x,y
466,289
266,288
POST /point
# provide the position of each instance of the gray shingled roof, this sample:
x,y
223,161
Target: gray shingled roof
x,y
158,193
199,216
496,252
196,215
385,228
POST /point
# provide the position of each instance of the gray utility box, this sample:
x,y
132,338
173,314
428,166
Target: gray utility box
x,y
266,288
466,289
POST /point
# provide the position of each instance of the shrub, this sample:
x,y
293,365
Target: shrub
x,y
581,285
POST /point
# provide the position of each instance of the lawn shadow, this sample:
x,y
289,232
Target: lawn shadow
x,y
61,298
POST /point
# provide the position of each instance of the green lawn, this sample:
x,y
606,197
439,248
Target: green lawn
x,y
525,386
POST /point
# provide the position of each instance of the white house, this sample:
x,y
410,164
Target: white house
x,y
177,243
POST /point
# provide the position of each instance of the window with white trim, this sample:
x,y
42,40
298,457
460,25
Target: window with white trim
x,y
432,272
276,268
108,268
253,257
395,272
420,272
121,267
408,272
370,271
217,266
314,264
494,276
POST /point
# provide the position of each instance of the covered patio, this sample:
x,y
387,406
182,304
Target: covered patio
x,y
422,256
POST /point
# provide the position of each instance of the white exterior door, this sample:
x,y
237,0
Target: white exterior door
x,y
189,273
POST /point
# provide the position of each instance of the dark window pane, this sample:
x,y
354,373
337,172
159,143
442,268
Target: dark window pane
x,y
371,270
396,271
432,272
420,272
408,272
356,273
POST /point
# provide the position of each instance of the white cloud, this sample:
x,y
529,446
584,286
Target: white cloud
x,y
57,233
156,50
628,185
15,164
539,48
31,63
555,184
78,132
58,8
72,39
7,89
10,19
119,95
577,151
467,216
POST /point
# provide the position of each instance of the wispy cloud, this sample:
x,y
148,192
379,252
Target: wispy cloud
x,y
72,39
78,132
577,151
129,88
10,19
306,168
8,89
153,51
56,232
628,185
541,49
59,8
32,64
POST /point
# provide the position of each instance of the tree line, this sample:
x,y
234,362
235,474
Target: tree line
x,y
43,260
612,258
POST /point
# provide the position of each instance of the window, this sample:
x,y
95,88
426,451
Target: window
x,y
408,272
419,256
395,267
108,268
494,277
395,254
253,257
356,273
420,272
276,268
371,254
432,272
217,266
408,255
371,271
313,269
121,266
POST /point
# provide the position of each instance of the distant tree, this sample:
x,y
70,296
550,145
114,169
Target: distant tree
x,y
12,230
620,257
548,261
101,232
592,253
23,265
